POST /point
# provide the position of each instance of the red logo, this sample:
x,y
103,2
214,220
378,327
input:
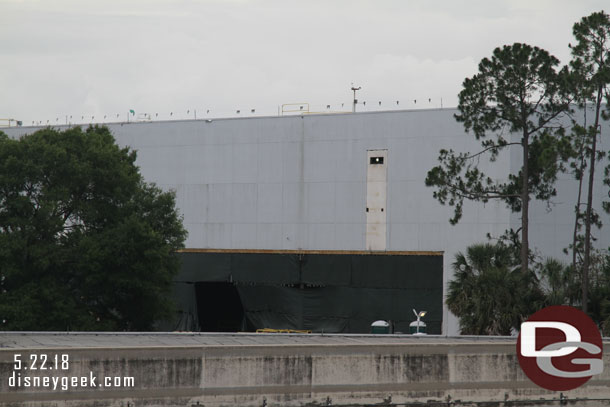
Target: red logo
x,y
560,348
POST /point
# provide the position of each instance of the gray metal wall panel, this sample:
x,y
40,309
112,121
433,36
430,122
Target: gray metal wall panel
x,y
269,202
284,167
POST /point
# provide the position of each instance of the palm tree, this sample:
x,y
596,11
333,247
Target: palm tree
x,y
562,285
489,293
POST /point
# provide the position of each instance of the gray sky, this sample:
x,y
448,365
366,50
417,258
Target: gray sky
x,y
94,58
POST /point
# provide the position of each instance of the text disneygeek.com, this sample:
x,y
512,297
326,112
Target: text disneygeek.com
x,y
45,363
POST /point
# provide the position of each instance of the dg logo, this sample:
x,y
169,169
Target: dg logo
x,y
560,348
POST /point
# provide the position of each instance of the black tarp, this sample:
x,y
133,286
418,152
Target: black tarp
x,y
326,292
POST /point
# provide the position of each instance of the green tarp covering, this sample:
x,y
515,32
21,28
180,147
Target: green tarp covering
x,y
324,292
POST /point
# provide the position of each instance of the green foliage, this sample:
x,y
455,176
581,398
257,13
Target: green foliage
x,y
491,297
591,53
517,90
85,243
489,294
561,284
590,77
599,290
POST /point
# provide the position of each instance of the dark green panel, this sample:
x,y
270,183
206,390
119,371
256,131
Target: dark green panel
x,y
396,271
275,307
205,267
334,302
185,301
327,269
265,268
396,305
280,299
326,292
337,309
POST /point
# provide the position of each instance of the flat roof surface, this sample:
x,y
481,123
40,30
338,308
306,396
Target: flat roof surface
x,y
334,252
37,340
228,117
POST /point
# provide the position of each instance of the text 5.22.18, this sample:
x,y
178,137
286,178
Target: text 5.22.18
x,y
43,361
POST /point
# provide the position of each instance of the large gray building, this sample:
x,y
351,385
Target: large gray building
x,y
336,183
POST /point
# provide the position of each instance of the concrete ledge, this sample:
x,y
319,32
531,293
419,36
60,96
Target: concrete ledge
x,y
430,371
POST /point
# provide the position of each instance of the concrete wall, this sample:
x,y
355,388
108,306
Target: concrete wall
x,y
431,373
299,182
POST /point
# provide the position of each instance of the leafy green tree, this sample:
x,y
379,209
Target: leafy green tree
x,y
518,90
590,67
85,243
489,294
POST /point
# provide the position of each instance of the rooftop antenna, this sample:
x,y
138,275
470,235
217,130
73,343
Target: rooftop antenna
x,y
355,100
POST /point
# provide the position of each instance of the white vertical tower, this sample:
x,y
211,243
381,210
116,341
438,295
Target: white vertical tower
x,y
376,199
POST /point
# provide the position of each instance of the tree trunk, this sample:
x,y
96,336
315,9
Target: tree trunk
x,y
581,177
525,203
577,217
587,249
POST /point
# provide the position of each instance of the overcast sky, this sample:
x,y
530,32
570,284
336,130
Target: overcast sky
x,y
102,58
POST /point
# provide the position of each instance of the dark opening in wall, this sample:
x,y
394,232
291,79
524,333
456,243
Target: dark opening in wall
x,y
376,160
219,308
